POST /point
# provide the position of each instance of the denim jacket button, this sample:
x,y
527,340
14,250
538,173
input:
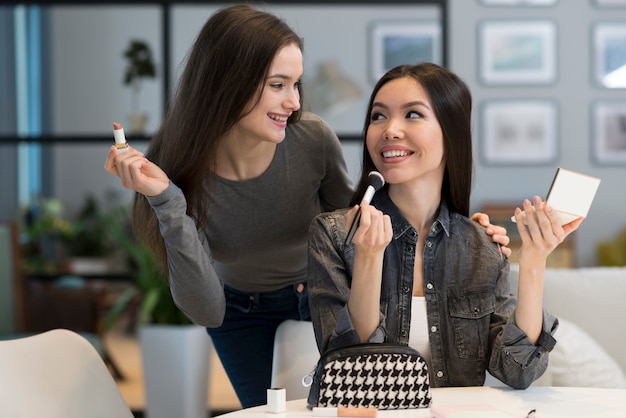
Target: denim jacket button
x,y
404,333
429,286
406,289
439,373
433,329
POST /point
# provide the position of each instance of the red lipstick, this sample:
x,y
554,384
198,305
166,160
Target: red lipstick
x,y
120,138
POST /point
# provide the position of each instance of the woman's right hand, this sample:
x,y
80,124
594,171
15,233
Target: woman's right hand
x,y
374,232
136,172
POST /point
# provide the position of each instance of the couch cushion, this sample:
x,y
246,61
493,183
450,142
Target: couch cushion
x,y
593,298
578,360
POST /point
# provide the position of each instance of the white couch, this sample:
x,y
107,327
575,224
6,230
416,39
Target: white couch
x,y
591,340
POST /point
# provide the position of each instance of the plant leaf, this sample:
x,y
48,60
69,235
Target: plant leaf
x,y
119,306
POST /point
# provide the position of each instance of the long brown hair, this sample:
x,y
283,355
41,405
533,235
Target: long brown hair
x,y
230,59
452,103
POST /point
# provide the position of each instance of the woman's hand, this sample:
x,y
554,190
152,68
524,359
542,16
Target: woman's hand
x,y
136,172
497,233
374,232
542,232
370,239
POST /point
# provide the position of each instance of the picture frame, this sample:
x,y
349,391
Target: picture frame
x,y
521,52
609,3
608,137
404,42
523,132
609,55
519,2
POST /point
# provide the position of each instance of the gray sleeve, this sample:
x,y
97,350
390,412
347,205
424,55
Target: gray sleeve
x,y
336,188
196,289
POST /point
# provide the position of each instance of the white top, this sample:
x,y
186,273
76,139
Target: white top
x,y
418,334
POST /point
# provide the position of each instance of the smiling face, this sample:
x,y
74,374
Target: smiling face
x,y
280,96
404,138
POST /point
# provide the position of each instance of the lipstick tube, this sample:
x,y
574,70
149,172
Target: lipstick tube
x,y
276,400
120,138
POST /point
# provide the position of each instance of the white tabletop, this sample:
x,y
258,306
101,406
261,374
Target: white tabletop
x,y
549,402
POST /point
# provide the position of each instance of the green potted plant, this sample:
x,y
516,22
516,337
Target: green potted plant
x,y
53,243
42,226
139,66
88,246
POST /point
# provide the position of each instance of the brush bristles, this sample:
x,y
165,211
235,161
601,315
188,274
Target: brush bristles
x,y
376,180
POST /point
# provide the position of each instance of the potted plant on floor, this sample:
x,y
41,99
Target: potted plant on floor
x,y
55,244
175,353
88,246
139,66
42,225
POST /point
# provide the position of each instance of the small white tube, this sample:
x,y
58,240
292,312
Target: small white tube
x,y
276,400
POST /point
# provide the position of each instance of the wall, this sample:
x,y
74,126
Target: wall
x,y
89,96
573,92
79,167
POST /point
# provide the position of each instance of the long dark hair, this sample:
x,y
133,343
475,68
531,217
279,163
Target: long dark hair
x,y
230,59
452,103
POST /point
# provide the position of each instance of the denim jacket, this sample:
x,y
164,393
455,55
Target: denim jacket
x,y
469,305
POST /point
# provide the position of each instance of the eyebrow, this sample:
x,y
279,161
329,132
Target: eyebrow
x,y
282,77
404,106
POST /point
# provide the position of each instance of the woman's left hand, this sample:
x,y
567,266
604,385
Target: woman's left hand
x,y
540,230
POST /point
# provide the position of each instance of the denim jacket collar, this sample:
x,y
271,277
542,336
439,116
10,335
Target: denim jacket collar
x,y
400,224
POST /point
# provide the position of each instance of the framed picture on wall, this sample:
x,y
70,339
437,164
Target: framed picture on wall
x,y
609,54
518,131
609,3
608,138
403,42
517,52
518,2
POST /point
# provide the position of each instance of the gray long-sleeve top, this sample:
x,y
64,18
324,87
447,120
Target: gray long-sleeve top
x,y
255,238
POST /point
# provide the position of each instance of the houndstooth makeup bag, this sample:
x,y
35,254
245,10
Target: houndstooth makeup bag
x,y
383,376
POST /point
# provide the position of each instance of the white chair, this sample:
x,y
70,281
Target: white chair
x,y
57,374
295,356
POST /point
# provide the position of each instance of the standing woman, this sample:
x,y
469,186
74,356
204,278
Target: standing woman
x,y
419,272
230,184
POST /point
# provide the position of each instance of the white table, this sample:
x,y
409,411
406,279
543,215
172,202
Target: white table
x,y
549,402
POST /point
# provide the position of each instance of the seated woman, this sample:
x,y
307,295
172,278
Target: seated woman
x,y
418,272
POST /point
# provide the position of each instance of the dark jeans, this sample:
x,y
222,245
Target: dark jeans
x,y
245,341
